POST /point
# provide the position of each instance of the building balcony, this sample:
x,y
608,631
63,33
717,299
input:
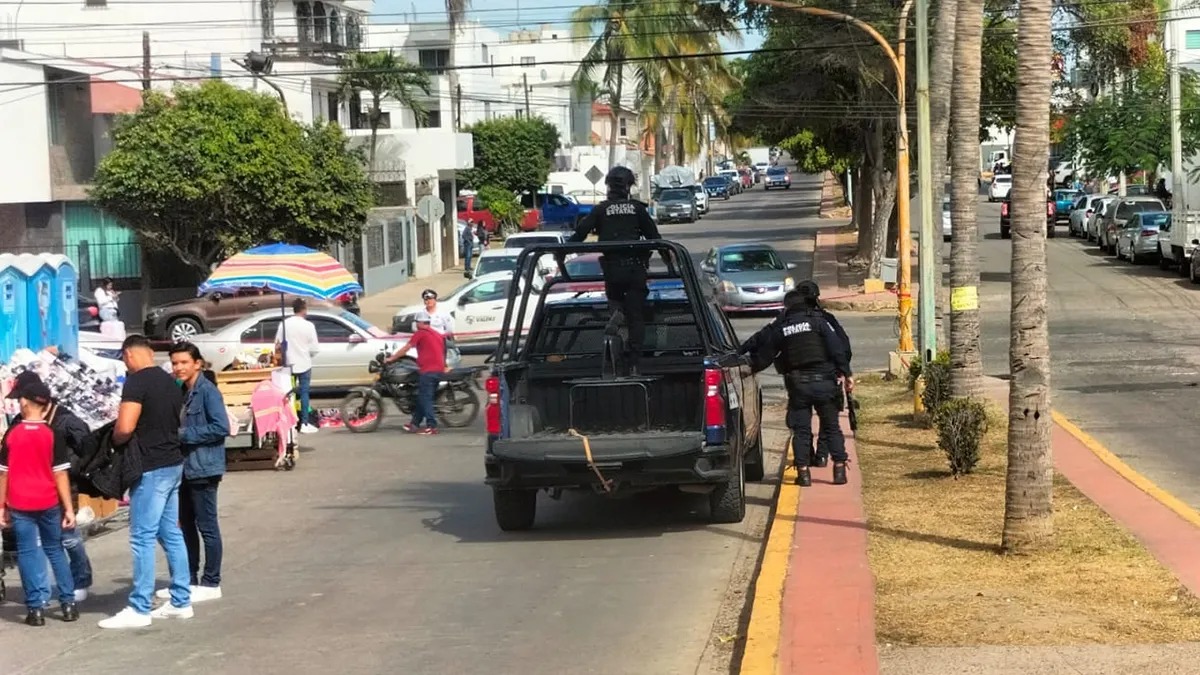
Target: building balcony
x,y
407,156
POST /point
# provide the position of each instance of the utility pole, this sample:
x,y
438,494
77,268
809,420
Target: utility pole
x,y
525,82
927,256
458,108
146,60
1178,184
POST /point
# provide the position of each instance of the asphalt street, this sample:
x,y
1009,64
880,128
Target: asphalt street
x,y
380,554
1124,343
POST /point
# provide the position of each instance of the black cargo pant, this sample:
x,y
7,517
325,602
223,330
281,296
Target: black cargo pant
x,y
625,286
822,442
807,393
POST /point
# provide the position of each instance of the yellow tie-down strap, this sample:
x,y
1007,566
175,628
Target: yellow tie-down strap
x,y
587,451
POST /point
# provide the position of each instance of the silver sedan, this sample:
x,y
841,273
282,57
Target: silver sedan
x,y
1138,239
747,277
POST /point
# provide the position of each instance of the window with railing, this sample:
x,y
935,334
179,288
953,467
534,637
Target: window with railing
x,y
434,60
320,23
424,237
304,22
335,27
266,12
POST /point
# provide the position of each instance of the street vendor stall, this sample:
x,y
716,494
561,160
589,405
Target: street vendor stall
x,y
259,390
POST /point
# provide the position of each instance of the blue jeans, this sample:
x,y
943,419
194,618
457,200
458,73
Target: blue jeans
x,y
426,388
81,565
304,383
154,515
28,526
198,518
467,259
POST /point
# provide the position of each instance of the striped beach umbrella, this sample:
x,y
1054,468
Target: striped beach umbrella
x,y
283,268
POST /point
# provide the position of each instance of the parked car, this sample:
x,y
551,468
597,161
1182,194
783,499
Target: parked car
x,y
1132,190
692,420
1000,187
470,208
747,277
747,177
184,319
347,344
946,218
675,205
717,187
735,180
1081,212
1006,218
1138,239
1122,211
778,177
1064,202
557,210
701,198
505,260
1097,218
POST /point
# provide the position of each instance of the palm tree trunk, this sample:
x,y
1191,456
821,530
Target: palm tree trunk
x,y
1028,495
941,68
376,114
614,110
966,363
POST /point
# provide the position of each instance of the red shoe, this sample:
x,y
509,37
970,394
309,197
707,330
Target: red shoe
x,y
428,431
411,428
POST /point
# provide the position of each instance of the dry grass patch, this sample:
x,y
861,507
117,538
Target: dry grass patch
x,y
934,549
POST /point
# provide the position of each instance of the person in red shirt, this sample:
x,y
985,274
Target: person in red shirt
x,y
35,499
431,363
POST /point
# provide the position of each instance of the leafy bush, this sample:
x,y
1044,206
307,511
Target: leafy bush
x,y
504,208
961,425
917,364
937,384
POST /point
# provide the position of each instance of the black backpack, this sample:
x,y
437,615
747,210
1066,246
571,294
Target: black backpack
x,y
106,471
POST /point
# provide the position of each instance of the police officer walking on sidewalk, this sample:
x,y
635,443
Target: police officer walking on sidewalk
x,y
621,218
812,358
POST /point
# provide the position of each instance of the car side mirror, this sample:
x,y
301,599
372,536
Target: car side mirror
x,y
791,266
216,297
1196,242
462,302
355,339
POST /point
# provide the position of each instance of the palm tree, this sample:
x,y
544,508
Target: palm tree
x,y
941,68
456,13
384,75
966,363
1028,496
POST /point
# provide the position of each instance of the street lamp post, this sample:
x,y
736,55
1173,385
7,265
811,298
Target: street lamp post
x,y
904,243
259,65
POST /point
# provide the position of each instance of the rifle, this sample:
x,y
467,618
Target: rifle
x,y
852,410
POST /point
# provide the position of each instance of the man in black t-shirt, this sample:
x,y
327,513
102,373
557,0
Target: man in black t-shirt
x,y
150,416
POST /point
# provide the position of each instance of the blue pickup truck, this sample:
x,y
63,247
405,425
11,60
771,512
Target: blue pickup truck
x,y
557,210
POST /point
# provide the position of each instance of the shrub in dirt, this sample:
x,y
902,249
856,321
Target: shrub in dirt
x,y
961,425
937,384
916,366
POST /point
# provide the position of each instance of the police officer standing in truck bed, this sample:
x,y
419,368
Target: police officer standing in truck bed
x,y
812,357
620,218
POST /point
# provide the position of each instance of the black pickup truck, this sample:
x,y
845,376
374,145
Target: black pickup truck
x,y
558,417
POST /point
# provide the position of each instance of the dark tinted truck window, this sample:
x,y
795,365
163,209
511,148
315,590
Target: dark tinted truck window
x,y
578,330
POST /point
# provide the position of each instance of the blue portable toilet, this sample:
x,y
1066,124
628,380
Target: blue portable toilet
x,y
13,282
64,306
39,306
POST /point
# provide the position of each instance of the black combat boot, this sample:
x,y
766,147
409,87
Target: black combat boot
x,y
70,612
818,459
803,476
36,617
839,473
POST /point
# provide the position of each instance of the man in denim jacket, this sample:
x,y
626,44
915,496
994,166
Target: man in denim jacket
x,y
203,428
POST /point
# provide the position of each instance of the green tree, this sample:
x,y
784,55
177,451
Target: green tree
x,y
384,75
504,207
512,153
214,169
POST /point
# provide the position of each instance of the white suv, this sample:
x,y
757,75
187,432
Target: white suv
x,y
701,198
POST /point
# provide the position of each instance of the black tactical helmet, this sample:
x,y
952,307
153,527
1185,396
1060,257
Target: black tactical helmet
x,y
620,179
809,291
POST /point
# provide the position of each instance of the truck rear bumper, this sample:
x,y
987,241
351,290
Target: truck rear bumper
x,y
626,459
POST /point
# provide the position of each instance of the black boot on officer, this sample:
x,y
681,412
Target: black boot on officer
x,y
621,218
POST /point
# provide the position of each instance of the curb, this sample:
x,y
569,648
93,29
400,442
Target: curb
x,y
1127,472
761,653
834,296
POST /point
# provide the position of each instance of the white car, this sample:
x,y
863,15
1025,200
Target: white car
x,y
477,308
1081,213
701,198
347,345
505,260
1001,184
946,218
1092,233
520,240
477,245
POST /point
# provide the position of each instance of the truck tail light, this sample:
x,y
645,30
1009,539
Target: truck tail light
x,y
493,406
1088,213
1004,208
714,402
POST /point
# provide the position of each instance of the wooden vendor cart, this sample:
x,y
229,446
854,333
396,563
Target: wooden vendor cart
x,y
237,387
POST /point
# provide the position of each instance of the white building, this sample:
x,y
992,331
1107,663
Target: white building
x,y
54,126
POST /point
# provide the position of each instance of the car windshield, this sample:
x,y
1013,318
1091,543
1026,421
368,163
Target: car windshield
x,y
776,171
522,242
675,195
584,267
698,189
496,263
714,181
1003,178
1064,195
753,260
946,207
1155,219
362,324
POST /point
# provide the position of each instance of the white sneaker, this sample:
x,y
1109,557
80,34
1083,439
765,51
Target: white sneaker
x,y
169,611
308,429
126,618
81,594
202,593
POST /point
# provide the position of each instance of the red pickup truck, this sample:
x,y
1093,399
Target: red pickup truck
x,y
469,209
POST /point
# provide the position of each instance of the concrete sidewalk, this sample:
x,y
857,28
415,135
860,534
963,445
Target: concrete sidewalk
x,y
378,308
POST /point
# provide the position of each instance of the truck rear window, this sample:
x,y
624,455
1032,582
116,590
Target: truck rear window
x,y
578,330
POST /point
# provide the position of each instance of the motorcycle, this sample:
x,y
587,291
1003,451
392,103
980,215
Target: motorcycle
x,y
455,403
